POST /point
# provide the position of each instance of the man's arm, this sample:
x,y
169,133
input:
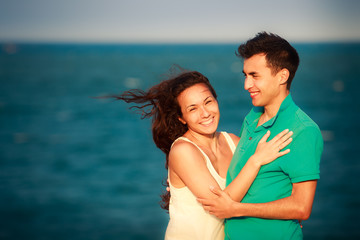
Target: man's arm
x,y
296,206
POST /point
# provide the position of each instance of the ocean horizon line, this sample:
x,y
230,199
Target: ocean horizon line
x,y
169,43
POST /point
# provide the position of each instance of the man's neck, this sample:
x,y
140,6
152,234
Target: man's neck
x,y
272,109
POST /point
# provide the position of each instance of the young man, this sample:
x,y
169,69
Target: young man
x,y
284,190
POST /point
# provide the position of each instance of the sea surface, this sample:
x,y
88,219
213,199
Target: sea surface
x,y
76,167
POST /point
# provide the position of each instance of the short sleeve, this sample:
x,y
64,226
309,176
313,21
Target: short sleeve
x,y
303,161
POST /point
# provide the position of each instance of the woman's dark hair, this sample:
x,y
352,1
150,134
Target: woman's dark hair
x,y
279,53
161,105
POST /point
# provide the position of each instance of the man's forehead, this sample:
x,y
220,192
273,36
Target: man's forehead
x,y
251,64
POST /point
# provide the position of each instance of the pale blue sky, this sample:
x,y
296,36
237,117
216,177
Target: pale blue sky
x,y
177,21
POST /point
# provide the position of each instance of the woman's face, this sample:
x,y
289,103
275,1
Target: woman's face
x,y
200,110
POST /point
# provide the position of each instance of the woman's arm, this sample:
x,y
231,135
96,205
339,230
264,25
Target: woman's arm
x,y
265,153
187,167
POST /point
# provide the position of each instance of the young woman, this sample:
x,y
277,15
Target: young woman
x,y
185,117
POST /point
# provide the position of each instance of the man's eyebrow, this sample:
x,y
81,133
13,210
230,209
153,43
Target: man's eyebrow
x,y
250,73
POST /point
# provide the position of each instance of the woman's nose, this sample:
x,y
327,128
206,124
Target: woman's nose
x,y
204,112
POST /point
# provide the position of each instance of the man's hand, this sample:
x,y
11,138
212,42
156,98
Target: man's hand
x,y
221,206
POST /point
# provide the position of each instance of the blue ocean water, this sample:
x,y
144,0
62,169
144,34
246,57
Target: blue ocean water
x,y
75,167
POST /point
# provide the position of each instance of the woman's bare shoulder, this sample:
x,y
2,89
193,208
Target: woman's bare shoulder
x,y
184,151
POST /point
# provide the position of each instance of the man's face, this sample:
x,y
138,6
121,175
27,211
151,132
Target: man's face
x,y
263,86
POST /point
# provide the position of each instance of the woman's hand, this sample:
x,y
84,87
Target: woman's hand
x,y
267,152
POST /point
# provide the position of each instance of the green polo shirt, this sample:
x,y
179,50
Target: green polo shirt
x,y
274,180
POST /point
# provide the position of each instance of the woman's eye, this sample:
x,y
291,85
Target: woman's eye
x,y
208,102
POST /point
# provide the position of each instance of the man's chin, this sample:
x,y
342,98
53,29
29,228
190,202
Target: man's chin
x,y
256,103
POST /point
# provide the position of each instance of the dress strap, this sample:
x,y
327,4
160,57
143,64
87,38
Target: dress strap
x,y
229,141
211,168
188,140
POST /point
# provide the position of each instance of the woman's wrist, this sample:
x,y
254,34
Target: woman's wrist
x,y
255,161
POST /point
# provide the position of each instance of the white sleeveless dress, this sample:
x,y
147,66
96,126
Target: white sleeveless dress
x,y
188,219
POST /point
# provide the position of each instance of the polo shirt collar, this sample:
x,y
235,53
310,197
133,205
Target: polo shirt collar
x,y
253,117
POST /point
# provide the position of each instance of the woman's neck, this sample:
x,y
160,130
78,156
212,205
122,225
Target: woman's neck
x,y
207,141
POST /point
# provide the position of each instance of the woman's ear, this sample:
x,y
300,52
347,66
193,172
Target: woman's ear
x,y
284,76
182,120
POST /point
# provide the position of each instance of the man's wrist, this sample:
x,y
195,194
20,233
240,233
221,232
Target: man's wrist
x,y
237,209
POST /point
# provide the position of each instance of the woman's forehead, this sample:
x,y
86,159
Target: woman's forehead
x,y
194,94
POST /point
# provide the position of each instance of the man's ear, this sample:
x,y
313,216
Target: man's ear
x,y
284,76
182,120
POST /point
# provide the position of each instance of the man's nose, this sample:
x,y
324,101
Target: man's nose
x,y
248,83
